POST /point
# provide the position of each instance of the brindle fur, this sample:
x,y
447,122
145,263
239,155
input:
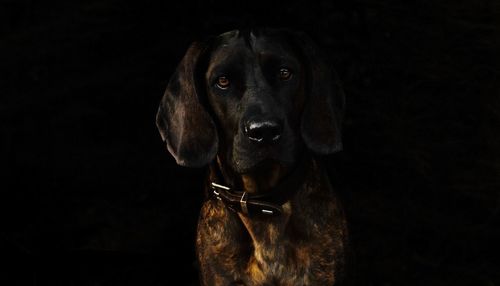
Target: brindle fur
x,y
303,246
202,125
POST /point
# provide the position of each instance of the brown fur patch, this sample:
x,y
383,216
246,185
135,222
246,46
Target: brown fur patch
x,y
264,178
303,246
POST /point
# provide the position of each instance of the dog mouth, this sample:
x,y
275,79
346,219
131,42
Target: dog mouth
x,y
245,166
258,166
247,156
249,162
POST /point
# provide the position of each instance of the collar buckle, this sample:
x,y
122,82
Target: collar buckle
x,y
243,203
215,189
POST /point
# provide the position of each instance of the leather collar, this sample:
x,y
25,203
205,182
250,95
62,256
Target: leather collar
x,y
268,203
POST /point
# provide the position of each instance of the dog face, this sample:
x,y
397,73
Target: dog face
x,y
253,98
255,89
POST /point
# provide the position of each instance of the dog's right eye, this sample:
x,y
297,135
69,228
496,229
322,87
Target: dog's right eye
x,y
285,74
222,82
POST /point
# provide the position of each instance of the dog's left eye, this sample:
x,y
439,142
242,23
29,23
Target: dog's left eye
x,y
285,74
222,82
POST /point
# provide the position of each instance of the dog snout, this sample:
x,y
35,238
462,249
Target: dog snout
x,y
263,130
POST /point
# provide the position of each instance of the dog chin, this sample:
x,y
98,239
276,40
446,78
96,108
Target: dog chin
x,y
246,165
249,165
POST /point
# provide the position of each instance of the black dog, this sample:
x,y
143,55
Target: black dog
x,y
257,107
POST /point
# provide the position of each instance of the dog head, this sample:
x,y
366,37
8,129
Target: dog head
x,y
252,98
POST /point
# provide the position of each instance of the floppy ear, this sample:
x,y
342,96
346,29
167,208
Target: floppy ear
x,y
325,100
185,126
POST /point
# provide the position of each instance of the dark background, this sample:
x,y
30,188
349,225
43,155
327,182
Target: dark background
x,y
90,196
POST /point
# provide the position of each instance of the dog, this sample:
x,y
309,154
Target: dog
x,y
259,108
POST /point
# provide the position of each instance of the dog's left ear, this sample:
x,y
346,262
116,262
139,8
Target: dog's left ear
x,y
325,101
184,125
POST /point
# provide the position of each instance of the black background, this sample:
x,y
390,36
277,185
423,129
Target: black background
x,y
90,196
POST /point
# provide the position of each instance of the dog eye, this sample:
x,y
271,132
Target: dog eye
x,y
222,82
285,74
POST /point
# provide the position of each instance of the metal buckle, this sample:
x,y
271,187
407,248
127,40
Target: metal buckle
x,y
216,186
267,212
243,203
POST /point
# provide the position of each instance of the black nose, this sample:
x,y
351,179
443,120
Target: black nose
x,y
263,131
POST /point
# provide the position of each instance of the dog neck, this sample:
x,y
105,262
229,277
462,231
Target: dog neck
x,y
259,181
262,192
265,178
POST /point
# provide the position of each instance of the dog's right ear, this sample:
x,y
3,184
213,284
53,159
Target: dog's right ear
x,y
324,109
184,125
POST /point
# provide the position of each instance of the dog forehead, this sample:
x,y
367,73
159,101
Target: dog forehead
x,y
229,47
270,44
235,45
